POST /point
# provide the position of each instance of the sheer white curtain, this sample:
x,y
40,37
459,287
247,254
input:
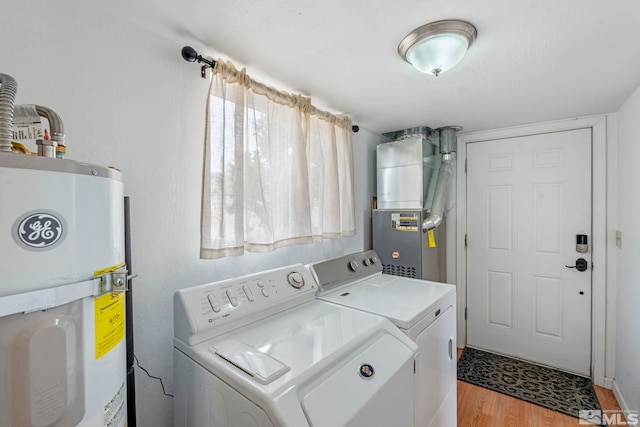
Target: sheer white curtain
x,y
277,171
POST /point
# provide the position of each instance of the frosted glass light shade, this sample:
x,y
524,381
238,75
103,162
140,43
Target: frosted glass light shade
x,y
437,47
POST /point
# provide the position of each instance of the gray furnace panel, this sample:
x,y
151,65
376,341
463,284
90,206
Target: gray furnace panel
x,y
404,249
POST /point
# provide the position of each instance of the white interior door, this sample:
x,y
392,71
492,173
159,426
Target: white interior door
x,y
527,199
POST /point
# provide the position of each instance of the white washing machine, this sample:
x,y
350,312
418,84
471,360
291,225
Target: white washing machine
x,y
425,311
260,350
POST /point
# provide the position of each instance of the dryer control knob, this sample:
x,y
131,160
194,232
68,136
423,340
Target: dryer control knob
x,y
353,265
295,279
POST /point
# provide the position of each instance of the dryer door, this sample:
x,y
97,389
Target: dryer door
x,y
372,388
436,372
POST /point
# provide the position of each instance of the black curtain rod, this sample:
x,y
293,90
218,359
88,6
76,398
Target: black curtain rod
x,y
189,54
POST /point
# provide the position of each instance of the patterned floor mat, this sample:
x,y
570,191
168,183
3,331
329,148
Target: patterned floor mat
x,y
559,391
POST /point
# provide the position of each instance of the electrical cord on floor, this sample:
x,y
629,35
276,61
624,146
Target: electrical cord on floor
x,y
151,376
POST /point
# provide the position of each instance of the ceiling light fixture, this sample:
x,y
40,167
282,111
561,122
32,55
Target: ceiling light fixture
x,y
437,47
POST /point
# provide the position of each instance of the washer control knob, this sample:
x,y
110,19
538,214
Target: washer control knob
x,y
295,279
214,303
367,262
374,260
232,299
353,265
248,293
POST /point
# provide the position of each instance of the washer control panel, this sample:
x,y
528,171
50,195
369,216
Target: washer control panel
x,y
230,303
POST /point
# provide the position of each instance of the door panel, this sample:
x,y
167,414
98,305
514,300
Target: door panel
x,y
527,199
500,203
548,307
500,292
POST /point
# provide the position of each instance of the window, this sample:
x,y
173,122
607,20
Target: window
x,y
277,171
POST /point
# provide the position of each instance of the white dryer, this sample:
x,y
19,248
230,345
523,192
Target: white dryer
x,y
425,311
260,350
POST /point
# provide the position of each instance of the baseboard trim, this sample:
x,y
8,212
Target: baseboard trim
x,y
608,383
618,394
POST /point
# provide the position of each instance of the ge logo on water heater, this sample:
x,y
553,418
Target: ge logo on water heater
x,y
40,230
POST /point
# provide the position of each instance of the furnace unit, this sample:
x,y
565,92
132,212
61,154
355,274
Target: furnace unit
x,y
414,173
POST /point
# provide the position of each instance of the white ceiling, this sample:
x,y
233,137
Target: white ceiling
x,y
533,60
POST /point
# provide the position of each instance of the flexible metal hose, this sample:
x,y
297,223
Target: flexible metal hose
x,y
445,175
444,179
55,123
8,90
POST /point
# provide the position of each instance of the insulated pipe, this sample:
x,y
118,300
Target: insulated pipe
x,y
55,123
8,90
447,151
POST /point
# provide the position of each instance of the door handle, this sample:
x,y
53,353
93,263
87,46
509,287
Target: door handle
x,y
581,264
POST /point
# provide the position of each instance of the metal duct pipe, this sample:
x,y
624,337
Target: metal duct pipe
x,y
8,90
419,131
448,139
448,155
55,123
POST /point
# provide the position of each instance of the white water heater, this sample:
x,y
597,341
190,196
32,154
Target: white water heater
x,y
62,299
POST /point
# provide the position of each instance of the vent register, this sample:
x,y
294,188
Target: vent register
x,y
400,270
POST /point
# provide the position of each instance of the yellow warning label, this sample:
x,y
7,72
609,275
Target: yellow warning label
x,y
108,269
110,321
431,239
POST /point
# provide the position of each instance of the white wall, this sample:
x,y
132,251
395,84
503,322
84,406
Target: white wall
x,y
627,381
128,99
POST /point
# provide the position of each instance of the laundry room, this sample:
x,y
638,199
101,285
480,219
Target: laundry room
x,y
135,102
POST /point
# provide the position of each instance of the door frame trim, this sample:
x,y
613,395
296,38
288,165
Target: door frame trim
x,y
598,126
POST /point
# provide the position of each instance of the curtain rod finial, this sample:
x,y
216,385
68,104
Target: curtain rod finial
x,y
355,128
189,54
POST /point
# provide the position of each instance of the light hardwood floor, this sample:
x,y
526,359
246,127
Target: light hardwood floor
x,y
479,407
